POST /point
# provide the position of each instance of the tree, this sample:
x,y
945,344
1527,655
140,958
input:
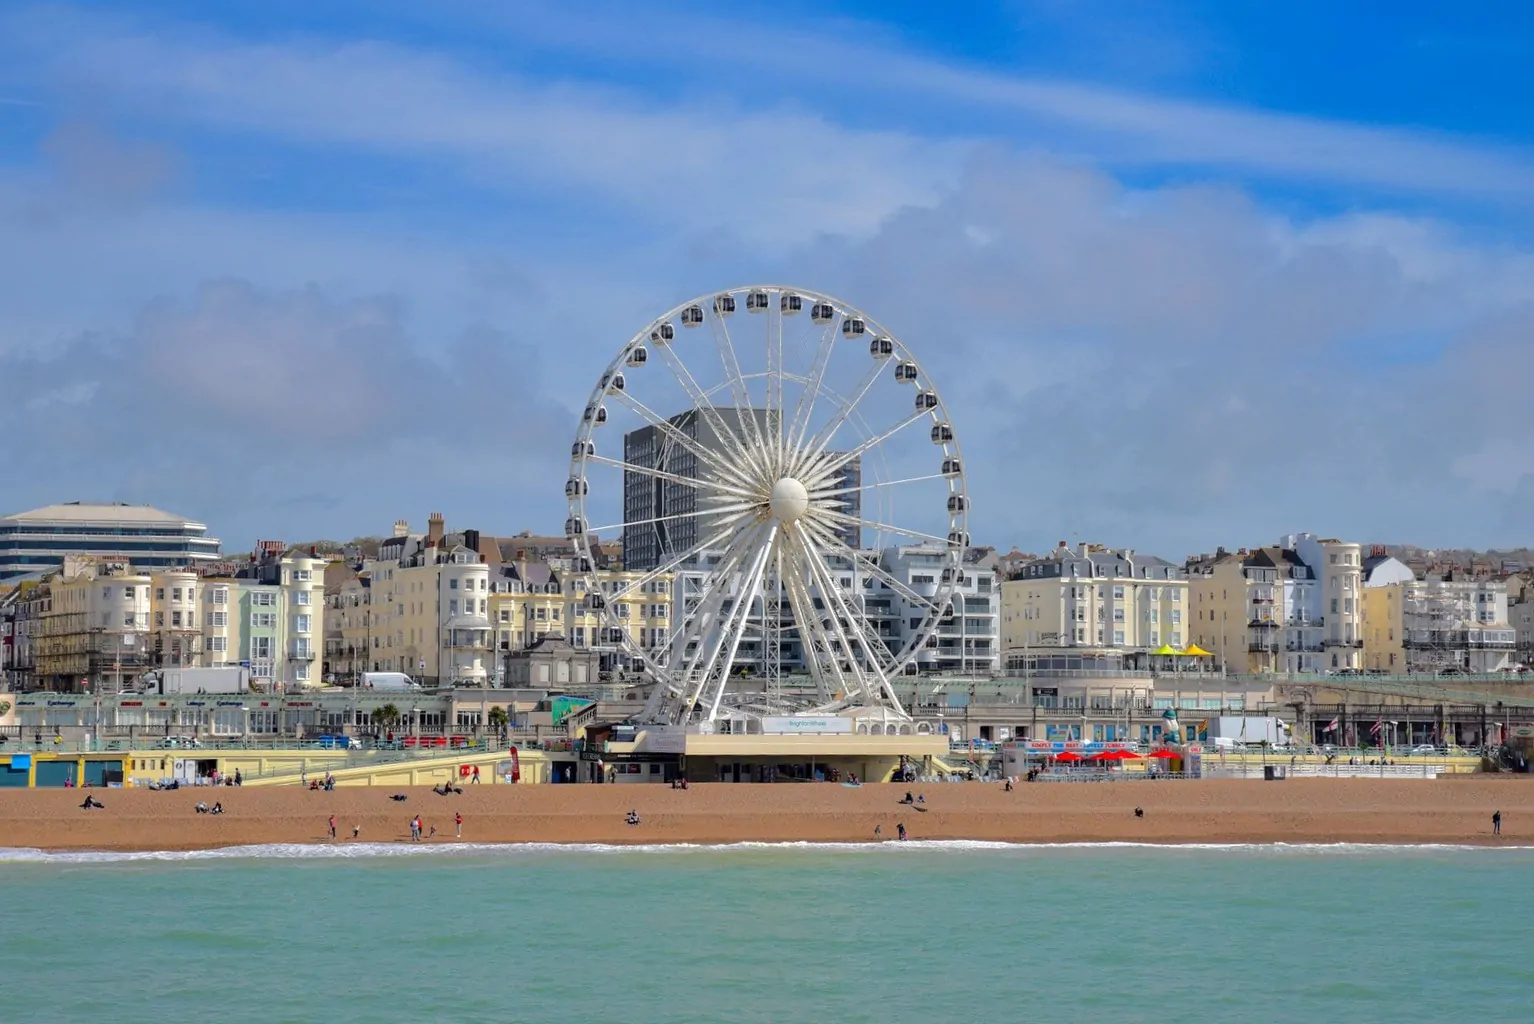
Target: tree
x,y
386,717
498,719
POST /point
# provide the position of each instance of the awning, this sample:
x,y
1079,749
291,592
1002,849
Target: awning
x,y
1166,650
1195,651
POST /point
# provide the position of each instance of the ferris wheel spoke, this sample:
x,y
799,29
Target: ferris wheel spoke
x,y
674,654
674,563
696,483
702,513
826,672
899,531
712,617
675,433
804,409
823,468
815,494
750,430
735,626
845,408
848,630
831,542
727,436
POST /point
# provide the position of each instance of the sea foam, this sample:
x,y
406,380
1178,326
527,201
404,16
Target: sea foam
x,y
450,849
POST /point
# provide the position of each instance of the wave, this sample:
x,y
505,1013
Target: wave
x,y
358,851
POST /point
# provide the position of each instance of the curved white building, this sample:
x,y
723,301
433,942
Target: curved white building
x,y
149,538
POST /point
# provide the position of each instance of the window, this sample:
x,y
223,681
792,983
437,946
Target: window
x,y
1176,615
301,623
216,644
1118,637
263,599
1334,606
263,620
159,593
106,593
302,575
452,584
175,594
1118,593
129,592
159,619
482,606
301,648
541,614
219,595
128,619
452,606
1118,615
301,673
301,598
218,619
505,615
175,618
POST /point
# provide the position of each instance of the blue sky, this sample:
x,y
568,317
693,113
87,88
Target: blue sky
x,y
1195,273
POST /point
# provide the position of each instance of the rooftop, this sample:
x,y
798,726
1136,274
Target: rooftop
x,y
112,513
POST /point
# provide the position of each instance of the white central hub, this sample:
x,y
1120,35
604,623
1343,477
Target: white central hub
x,y
789,499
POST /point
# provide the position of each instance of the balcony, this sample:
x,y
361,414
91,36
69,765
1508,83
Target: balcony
x,y
1263,624
1262,648
1332,642
301,656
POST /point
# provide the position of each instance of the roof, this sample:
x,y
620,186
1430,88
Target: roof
x,y
113,512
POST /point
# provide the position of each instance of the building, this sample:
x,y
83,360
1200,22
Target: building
x,y
276,616
1110,604
968,639
551,661
150,539
1434,624
93,628
1291,607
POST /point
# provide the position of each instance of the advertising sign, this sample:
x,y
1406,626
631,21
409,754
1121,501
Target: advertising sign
x,y
810,725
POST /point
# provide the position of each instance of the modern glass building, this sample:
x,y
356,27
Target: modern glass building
x,y
151,539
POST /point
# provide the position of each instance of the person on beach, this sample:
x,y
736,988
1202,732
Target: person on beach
x,y
1496,823
332,828
218,808
239,780
356,831
1008,787
900,831
90,803
632,818
458,820
474,781
878,831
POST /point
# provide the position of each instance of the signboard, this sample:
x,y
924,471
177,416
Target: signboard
x,y
809,725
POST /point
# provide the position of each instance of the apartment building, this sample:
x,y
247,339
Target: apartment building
x,y
1296,606
1434,624
968,638
1109,604
148,538
533,600
93,627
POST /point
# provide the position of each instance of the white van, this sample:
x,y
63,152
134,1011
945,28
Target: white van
x,y
388,681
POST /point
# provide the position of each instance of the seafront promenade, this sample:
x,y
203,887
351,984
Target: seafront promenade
x,y
1447,811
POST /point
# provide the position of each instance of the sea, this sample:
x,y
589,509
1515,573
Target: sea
x,y
962,932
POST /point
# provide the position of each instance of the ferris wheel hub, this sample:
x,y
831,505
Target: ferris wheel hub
x,y
790,500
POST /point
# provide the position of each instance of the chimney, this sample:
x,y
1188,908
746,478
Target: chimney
x,y
314,551
471,540
401,528
435,529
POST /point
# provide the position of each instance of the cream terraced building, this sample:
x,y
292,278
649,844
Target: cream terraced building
x,y
1296,606
1115,602
1434,624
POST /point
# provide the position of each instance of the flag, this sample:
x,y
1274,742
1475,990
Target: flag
x,y
1333,727
1374,730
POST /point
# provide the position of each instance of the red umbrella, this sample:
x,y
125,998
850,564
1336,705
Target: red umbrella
x,y
1114,755
1069,755
1163,753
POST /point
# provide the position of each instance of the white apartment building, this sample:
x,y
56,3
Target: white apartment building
x,y
93,626
1106,603
968,639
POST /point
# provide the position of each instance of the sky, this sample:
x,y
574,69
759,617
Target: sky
x,y
1189,274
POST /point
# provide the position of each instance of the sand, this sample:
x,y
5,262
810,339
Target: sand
x,y
1456,810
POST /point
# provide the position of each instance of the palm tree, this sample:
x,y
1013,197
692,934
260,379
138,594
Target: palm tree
x,y
498,719
385,717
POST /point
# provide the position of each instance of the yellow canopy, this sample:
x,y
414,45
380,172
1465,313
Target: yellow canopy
x,y
1195,651
1166,649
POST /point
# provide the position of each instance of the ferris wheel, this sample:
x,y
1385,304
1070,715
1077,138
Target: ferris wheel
x,y
776,462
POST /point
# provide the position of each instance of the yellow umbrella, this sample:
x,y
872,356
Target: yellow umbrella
x,y
1166,650
1195,651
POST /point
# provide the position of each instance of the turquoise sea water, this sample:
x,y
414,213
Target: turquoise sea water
x,y
915,932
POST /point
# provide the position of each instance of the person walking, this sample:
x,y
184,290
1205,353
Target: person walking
x,y
1496,823
332,828
475,780
458,821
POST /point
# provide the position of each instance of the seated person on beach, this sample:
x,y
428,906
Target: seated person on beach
x,y
202,808
632,818
90,802
398,797
218,808
909,799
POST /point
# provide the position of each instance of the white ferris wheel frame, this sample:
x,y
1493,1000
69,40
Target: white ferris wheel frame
x,y
769,545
